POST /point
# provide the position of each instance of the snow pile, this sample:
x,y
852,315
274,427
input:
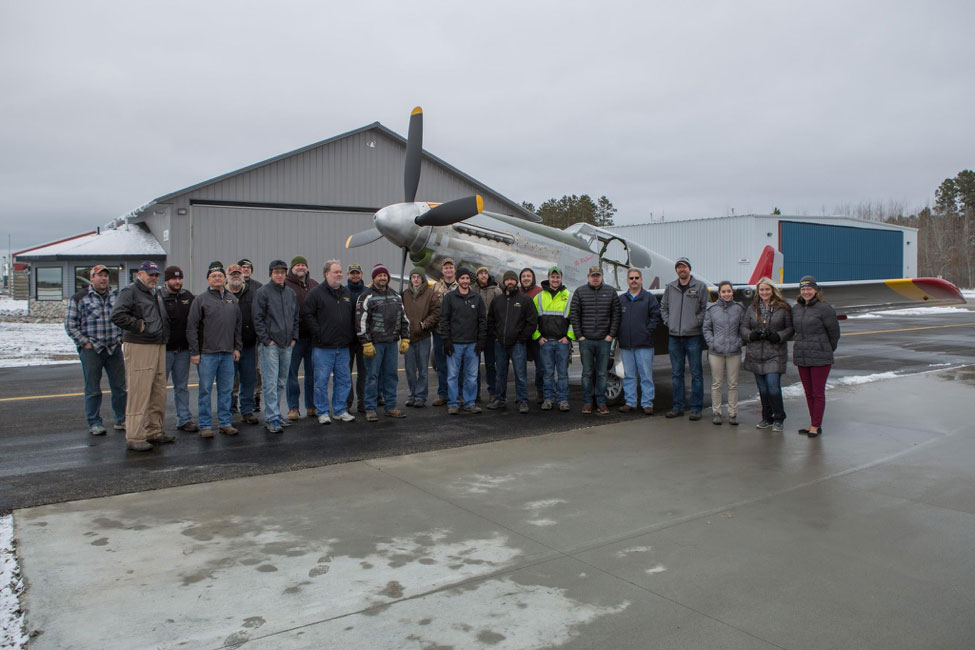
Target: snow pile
x,y
912,311
33,344
968,293
12,626
13,307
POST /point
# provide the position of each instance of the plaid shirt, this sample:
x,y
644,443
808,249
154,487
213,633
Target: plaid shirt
x,y
89,320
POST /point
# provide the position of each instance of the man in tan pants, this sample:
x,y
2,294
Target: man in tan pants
x,y
141,314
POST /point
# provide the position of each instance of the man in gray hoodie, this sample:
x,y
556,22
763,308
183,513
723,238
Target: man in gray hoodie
x,y
682,311
276,316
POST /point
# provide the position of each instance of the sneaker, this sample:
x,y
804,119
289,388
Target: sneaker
x,y
546,405
249,418
228,431
274,427
733,420
206,433
161,439
346,417
648,410
473,408
440,401
674,413
119,426
695,415
410,401
452,410
602,409
626,408
395,413
419,404
286,423
97,430
188,427
138,445
563,406
496,404
777,427
764,424
371,416
586,409
523,407
324,419
312,412
293,414
717,419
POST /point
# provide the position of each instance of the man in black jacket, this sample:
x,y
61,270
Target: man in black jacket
x,y
328,314
140,314
463,327
246,367
595,316
178,301
512,321
252,285
276,317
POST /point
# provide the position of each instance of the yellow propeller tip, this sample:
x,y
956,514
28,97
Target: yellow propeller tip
x,y
480,204
347,241
416,111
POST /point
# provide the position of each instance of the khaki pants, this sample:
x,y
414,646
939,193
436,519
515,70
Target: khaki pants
x,y
720,367
145,373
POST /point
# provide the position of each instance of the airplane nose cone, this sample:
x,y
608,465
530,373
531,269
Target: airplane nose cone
x,y
395,222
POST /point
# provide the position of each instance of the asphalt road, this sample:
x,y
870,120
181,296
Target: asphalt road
x,y
46,455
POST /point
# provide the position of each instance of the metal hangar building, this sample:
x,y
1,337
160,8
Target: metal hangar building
x,y
830,248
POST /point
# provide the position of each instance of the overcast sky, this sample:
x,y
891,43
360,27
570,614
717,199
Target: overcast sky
x,y
666,109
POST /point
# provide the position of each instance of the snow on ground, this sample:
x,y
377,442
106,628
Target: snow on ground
x,y
968,293
32,344
12,627
18,307
913,311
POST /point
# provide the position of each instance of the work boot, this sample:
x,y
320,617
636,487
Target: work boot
x,y
161,439
440,401
674,413
717,419
733,420
206,433
249,418
626,408
293,414
602,409
97,430
228,431
648,410
138,445
312,412
188,427
395,413
371,416
695,415
452,410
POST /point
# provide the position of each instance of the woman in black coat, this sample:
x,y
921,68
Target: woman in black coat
x,y
765,328
817,334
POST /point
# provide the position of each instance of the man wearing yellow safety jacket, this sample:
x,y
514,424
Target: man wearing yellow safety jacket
x,y
554,336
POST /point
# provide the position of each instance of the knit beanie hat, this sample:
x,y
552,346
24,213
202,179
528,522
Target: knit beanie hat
x,y
298,259
509,275
379,268
683,260
216,267
276,264
463,271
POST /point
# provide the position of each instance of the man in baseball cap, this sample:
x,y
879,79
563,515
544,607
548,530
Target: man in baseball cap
x,y
682,311
595,317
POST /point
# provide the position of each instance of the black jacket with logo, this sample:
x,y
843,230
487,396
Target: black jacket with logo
x,y
140,314
512,318
328,316
463,318
214,324
178,310
245,300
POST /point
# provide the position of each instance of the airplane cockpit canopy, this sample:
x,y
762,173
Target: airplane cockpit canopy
x,y
610,247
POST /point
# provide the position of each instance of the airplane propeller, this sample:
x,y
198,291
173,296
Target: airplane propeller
x,y
451,212
414,146
363,238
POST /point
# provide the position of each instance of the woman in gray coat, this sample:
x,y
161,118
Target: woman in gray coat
x,y
722,323
817,334
766,327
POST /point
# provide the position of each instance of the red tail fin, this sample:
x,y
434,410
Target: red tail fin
x,y
764,267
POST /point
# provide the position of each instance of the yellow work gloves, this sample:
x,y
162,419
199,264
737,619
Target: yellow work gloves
x,y
404,346
369,350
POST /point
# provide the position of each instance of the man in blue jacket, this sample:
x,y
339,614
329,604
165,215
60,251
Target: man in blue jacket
x,y
639,317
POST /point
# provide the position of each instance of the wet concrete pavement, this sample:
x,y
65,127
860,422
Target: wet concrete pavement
x,y
634,534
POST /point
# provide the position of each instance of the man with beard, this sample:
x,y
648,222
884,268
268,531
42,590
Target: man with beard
x,y
142,317
447,282
486,285
246,366
356,287
213,331
463,326
301,283
554,337
329,315
178,301
512,319
252,285
276,323
423,311
528,287
682,311
595,316
381,322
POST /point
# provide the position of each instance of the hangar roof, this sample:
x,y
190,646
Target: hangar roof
x,y
123,242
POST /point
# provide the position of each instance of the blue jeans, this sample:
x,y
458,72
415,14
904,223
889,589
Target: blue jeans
x,y
555,368
417,366
381,369
301,352
595,360
463,360
246,369
440,365
534,354
519,359
638,362
689,347
275,364
219,366
178,365
770,392
92,364
489,366
334,363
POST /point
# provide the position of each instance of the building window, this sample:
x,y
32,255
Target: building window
x,y
48,283
82,277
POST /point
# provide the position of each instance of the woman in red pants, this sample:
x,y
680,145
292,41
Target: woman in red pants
x,y
817,331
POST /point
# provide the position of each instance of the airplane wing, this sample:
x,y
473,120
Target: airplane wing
x,y
856,297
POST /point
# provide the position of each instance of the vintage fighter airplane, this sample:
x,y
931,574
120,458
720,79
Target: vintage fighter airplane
x,y
460,229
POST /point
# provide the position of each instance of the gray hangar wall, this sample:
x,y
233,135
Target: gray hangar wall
x,y
306,202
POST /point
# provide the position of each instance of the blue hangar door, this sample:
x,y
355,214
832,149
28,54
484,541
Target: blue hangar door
x,y
840,252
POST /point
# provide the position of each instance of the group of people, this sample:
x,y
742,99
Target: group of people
x,y
259,336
